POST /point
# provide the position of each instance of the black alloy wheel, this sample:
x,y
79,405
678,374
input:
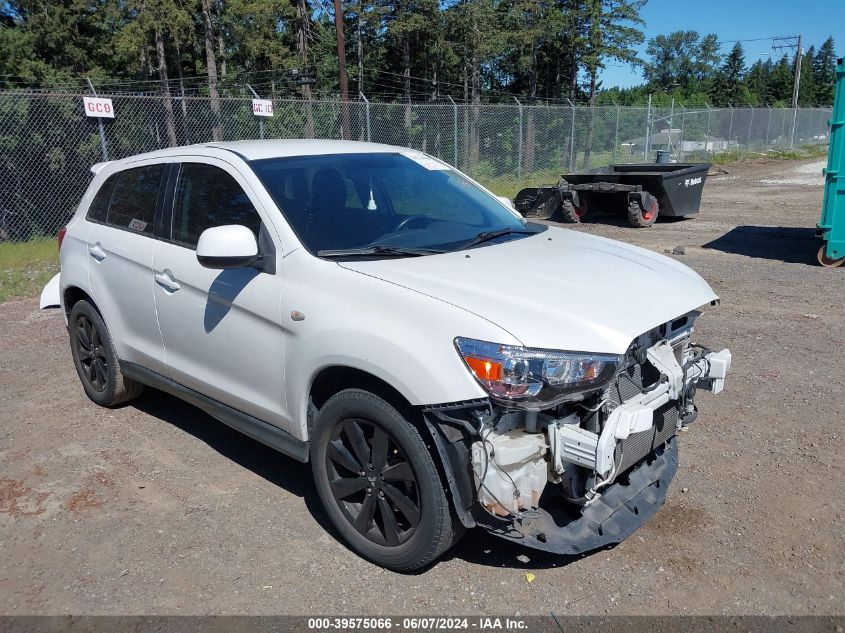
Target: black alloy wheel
x,y
372,482
379,483
91,354
95,358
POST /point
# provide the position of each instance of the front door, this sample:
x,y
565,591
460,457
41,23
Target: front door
x,y
221,328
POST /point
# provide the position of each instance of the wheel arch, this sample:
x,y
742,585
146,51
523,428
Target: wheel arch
x,y
452,464
335,378
71,295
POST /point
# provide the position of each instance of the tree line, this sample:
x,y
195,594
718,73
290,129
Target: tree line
x,y
407,50
688,67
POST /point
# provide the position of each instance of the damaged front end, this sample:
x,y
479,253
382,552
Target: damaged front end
x,y
592,467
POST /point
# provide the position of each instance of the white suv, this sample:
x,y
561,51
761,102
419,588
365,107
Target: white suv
x,y
440,361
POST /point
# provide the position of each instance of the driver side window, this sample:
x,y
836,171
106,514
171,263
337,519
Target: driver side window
x,y
207,196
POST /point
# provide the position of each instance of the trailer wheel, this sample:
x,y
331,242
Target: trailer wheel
x,y
574,214
826,261
641,217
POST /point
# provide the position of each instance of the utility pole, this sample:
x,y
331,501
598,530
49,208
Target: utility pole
x,y
793,42
796,78
341,69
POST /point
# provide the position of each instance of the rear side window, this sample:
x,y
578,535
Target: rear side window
x,y
100,205
133,198
207,196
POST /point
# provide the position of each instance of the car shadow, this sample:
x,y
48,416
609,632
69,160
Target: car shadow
x,y
278,469
477,546
789,244
482,548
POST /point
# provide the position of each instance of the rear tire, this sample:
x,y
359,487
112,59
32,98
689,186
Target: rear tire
x,y
573,214
379,483
641,217
95,358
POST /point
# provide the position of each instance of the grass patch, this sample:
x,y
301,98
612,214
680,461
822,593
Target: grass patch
x,y
795,153
511,185
25,268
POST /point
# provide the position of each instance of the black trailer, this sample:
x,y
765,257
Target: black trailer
x,y
644,190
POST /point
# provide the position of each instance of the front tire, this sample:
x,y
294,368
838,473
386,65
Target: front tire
x,y
95,358
640,216
573,214
378,482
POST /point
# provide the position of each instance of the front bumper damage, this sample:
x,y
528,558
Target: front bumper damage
x,y
584,475
613,517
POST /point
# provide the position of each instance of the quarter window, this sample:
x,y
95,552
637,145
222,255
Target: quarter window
x,y
133,199
207,196
100,204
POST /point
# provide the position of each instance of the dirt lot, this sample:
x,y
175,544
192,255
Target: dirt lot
x,y
157,508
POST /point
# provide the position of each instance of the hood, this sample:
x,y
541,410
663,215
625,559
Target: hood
x,y
559,289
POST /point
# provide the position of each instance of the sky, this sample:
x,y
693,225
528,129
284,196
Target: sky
x,y
737,20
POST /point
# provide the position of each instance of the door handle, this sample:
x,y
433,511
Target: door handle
x,y
166,280
96,251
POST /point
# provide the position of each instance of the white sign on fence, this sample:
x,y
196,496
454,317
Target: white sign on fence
x,y
262,107
97,107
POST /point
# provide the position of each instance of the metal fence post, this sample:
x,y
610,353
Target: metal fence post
x,y
260,119
750,126
707,133
647,144
792,133
572,136
455,128
616,132
671,116
768,124
683,117
366,113
731,126
100,126
519,147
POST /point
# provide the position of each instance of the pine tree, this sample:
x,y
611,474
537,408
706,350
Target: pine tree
x,y
728,87
824,68
808,89
779,89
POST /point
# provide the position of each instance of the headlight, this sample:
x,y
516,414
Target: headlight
x,y
533,378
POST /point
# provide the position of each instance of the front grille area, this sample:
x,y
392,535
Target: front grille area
x,y
631,382
637,445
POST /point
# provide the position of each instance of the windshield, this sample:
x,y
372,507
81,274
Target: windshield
x,y
399,205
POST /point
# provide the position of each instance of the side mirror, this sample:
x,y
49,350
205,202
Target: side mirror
x,y
506,201
229,246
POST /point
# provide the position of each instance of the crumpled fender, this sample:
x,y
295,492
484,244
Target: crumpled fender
x,y
50,296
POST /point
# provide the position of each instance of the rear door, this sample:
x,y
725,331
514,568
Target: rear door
x,y
221,328
120,253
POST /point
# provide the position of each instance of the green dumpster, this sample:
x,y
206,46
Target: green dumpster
x,y
831,226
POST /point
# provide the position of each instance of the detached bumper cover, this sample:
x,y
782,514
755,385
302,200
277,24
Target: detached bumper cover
x,y
613,517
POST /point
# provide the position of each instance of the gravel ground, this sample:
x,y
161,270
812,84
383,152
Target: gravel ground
x,y
811,174
157,508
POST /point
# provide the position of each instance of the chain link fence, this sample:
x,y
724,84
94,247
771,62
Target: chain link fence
x,y
47,144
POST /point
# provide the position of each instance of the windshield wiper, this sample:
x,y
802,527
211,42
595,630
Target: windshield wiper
x,y
486,236
378,249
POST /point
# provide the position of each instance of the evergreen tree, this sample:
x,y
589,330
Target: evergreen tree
x,y
824,69
757,82
779,89
728,87
808,89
